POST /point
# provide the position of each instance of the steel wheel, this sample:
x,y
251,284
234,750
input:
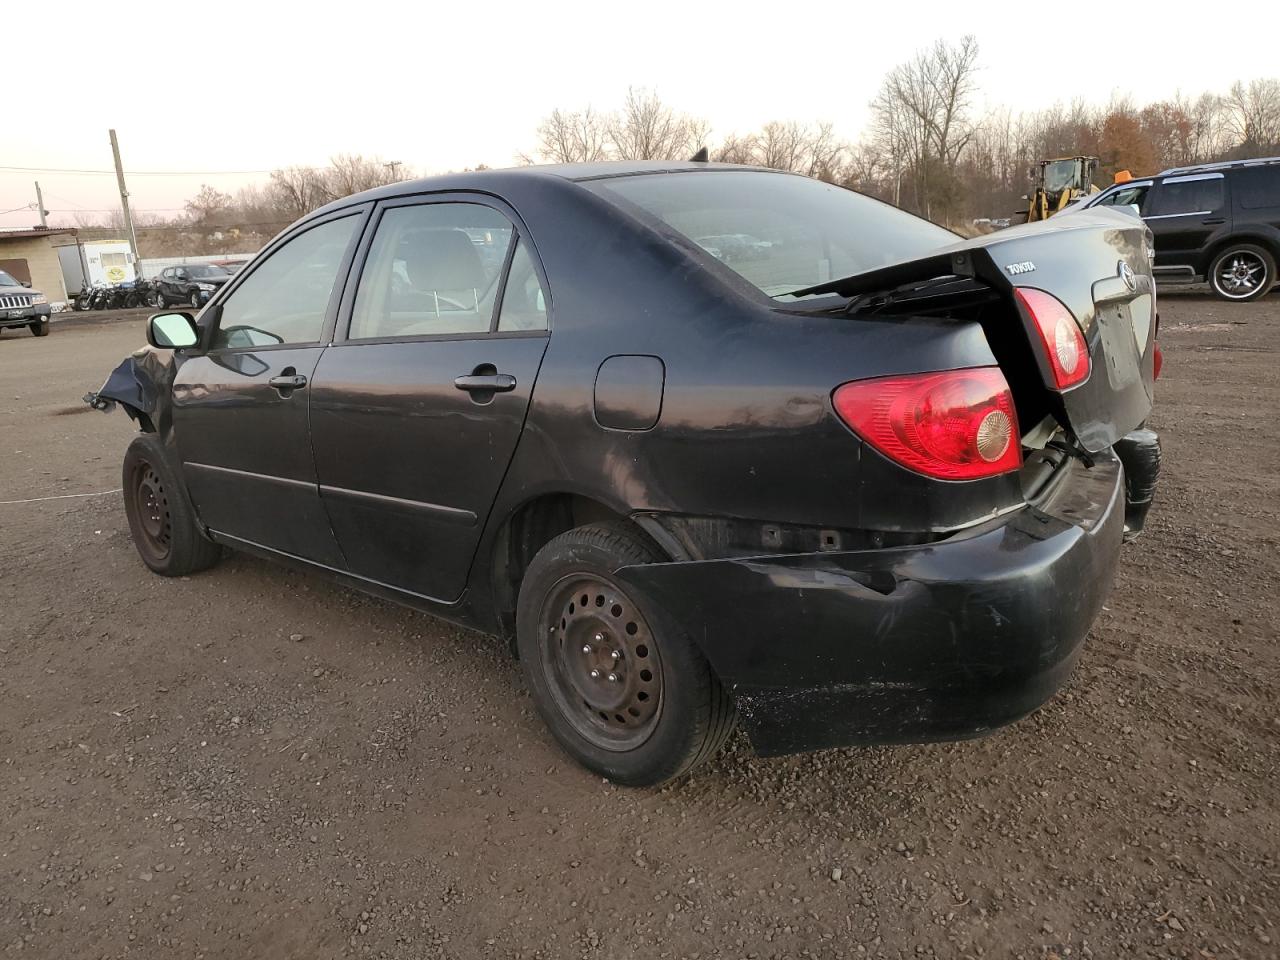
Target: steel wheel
x,y
1241,274
601,661
151,503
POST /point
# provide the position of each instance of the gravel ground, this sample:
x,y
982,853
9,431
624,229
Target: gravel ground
x,y
254,762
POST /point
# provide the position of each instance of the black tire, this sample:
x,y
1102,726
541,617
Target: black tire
x,y
689,718
40,329
161,520
1242,272
158,301
195,299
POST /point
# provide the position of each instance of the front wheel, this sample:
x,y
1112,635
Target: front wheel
x,y
158,301
1243,271
195,299
161,520
623,689
40,329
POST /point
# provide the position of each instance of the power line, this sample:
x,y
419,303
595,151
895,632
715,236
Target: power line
x,y
138,173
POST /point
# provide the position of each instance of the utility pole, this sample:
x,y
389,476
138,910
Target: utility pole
x,y
40,207
394,167
124,205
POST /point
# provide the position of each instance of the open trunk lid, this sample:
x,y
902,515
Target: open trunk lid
x,y
1096,263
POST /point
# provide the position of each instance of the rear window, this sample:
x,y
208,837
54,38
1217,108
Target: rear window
x,y
1257,187
780,232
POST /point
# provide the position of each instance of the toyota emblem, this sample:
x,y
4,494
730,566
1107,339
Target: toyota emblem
x,y
1127,275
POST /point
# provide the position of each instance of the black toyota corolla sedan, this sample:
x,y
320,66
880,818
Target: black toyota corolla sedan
x,y
842,478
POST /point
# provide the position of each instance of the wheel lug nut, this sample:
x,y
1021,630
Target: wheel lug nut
x,y
586,648
599,638
617,654
613,678
595,674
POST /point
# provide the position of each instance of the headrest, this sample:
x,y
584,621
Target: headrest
x,y
441,260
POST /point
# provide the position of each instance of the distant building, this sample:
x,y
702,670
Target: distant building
x,y
31,256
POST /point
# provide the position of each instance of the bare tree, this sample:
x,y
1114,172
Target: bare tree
x,y
296,191
580,136
782,145
209,207
350,173
1252,115
648,129
922,119
736,149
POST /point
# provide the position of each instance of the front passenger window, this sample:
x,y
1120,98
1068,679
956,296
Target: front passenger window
x,y
285,299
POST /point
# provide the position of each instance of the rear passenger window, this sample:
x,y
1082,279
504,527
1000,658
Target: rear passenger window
x,y
432,269
1257,187
524,305
1187,196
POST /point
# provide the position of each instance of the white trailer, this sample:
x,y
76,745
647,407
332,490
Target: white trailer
x,y
87,262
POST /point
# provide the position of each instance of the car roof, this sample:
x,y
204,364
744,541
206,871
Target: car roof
x,y
1219,167
556,172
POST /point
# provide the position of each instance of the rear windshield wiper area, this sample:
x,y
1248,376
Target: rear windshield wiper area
x,y
938,296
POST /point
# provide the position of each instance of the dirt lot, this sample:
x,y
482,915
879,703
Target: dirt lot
x,y
254,763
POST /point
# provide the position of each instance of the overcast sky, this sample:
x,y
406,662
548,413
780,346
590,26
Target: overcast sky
x,y
234,86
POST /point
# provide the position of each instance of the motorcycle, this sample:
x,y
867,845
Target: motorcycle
x,y
84,298
99,297
141,294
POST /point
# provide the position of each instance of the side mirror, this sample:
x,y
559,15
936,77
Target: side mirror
x,y
170,331
25,283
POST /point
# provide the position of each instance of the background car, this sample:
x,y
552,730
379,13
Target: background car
x,y
20,306
866,485
193,283
1216,222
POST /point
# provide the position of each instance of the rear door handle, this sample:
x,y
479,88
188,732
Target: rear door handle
x,y
482,383
288,382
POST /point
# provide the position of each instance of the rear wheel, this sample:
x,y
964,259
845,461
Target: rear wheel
x,y
1243,271
622,689
160,518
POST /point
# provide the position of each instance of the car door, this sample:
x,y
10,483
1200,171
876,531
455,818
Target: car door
x,y
240,407
417,407
1184,214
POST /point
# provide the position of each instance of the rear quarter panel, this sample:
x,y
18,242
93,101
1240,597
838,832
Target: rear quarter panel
x,y
746,427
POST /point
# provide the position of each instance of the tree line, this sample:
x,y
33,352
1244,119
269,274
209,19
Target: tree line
x,y
927,148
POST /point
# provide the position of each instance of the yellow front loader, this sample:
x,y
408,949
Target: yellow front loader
x,y
1057,183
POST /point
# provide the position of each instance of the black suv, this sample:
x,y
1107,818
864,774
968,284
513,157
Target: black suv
x,y
193,283
1218,222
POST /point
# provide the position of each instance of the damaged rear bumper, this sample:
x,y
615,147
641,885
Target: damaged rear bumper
x,y
934,642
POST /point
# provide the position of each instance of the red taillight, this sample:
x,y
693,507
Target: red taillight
x,y
1157,361
1063,342
953,425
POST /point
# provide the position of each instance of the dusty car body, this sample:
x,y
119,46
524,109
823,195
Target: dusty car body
x,y
713,427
